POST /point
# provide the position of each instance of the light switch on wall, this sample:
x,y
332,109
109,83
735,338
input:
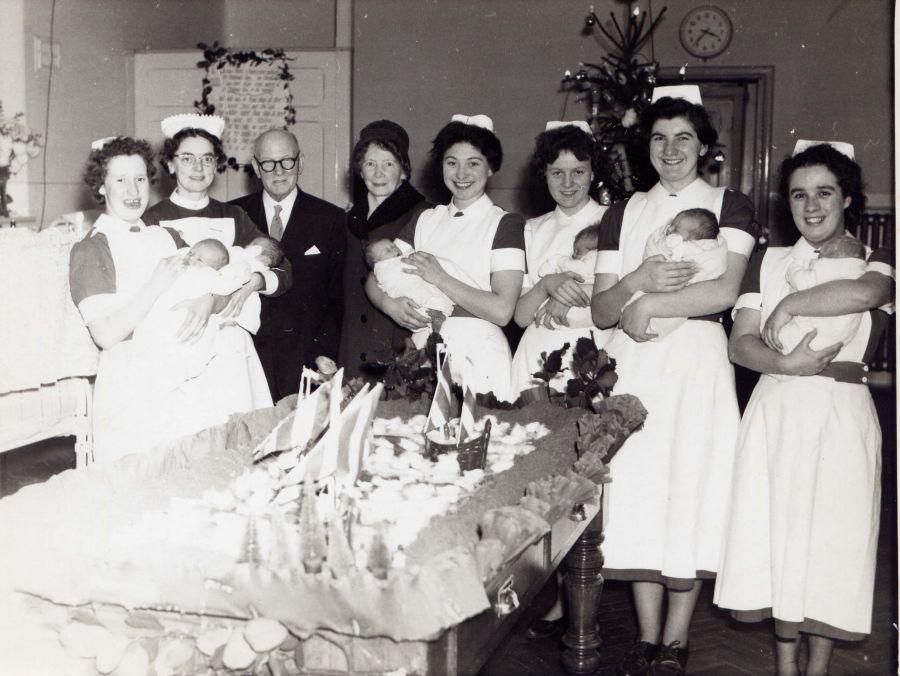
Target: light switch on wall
x,y
46,53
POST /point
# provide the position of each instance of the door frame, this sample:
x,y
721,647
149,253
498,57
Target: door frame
x,y
757,141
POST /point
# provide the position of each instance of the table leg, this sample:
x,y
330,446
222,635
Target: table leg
x,y
584,583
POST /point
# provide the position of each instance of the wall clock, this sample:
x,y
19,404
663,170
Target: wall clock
x,y
705,31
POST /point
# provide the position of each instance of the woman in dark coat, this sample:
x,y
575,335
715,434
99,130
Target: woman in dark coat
x,y
383,202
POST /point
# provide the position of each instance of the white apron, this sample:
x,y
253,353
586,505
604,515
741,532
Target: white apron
x,y
670,481
240,382
802,527
477,348
136,406
547,236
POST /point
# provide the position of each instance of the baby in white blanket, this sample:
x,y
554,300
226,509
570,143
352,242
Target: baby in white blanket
x,y
693,235
211,268
582,260
842,258
385,258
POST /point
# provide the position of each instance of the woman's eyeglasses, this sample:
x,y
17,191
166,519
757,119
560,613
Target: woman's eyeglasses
x,y
189,159
286,163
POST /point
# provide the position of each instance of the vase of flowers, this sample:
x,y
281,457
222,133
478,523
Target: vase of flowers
x,y
18,144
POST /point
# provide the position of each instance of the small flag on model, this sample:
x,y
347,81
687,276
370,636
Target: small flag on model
x,y
442,404
467,413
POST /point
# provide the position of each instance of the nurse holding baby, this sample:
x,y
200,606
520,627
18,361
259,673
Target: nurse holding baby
x,y
802,528
555,300
665,506
116,275
483,241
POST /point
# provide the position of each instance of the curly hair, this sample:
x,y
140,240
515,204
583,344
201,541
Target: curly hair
x,y
95,168
846,171
548,146
359,152
170,148
479,138
668,108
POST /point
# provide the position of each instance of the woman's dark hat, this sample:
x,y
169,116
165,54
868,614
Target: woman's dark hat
x,y
385,130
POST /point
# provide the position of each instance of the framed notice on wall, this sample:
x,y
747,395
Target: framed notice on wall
x,y
169,82
252,99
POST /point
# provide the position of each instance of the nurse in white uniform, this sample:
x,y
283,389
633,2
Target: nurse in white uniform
x,y
802,529
670,481
483,240
555,307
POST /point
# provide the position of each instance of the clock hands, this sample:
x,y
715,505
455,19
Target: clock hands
x,y
706,31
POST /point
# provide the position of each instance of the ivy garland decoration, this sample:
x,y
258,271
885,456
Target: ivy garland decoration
x,y
216,57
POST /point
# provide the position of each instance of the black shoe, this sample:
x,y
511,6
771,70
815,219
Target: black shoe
x,y
671,661
636,661
546,628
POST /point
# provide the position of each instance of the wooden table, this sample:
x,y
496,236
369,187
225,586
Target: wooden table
x,y
462,650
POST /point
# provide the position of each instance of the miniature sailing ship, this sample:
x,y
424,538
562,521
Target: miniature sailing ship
x,y
469,445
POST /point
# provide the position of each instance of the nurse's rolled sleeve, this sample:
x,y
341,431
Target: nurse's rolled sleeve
x,y
508,247
882,261
737,223
609,258
750,295
92,277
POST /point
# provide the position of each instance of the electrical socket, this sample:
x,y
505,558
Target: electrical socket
x,y
46,54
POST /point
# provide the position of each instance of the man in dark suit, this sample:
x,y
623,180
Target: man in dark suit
x,y
305,321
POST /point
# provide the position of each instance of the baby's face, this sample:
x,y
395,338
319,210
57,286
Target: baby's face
x,y
384,249
686,226
582,247
202,256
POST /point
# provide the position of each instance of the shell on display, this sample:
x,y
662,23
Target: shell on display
x,y
238,654
264,634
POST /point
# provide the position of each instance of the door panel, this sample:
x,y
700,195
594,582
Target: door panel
x,y
166,83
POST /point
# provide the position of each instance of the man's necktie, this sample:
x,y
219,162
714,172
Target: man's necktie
x,y
276,229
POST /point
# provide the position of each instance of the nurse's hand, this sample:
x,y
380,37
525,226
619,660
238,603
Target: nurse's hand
x,y
551,314
236,301
167,270
565,287
405,312
776,321
425,266
657,275
635,320
198,311
804,361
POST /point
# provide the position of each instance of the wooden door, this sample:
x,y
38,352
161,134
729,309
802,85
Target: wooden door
x,y
169,82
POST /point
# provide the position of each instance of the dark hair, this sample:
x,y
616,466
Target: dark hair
x,y
95,169
550,144
271,249
479,138
709,224
369,254
847,172
170,147
591,232
359,152
668,108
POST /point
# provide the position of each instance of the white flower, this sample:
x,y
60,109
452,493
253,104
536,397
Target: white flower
x,y
629,118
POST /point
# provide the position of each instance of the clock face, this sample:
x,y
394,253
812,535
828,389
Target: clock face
x,y
705,31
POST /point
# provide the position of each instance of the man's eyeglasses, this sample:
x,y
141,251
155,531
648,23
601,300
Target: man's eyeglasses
x,y
286,163
189,159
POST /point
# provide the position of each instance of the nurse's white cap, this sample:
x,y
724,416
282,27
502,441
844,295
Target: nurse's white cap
x,y
840,146
690,93
482,121
100,142
214,124
579,124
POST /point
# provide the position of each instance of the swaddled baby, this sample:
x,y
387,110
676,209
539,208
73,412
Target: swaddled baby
x,y
211,268
693,235
841,258
582,260
385,258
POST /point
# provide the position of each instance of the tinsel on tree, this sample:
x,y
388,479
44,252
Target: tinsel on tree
x,y
617,89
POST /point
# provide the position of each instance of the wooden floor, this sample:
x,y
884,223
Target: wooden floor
x,y
719,645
